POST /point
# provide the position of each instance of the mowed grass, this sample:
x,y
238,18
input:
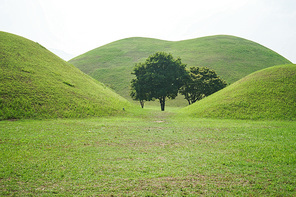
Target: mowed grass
x,y
35,83
268,94
231,57
152,154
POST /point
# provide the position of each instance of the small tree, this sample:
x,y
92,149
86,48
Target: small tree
x,y
160,77
139,87
201,83
136,94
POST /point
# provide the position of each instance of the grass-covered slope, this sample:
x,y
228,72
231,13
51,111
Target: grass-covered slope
x,y
35,83
231,57
266,94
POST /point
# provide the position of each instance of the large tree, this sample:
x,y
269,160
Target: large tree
x,y
159,77
201,83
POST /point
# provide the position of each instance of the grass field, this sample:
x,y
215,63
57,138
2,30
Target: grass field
x,y
152,153
68,135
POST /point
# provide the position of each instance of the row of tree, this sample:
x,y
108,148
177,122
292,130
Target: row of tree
x,y
161,77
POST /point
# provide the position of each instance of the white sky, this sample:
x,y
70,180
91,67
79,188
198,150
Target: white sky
x,y
77,26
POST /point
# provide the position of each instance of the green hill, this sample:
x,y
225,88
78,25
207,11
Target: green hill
x,y
231,57
266,94
35,83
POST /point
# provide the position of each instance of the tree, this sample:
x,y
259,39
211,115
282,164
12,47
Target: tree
x,y
201,83
136,93
139,88
159,77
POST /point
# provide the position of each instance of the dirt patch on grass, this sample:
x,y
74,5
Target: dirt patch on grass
x,y
159,121
181,186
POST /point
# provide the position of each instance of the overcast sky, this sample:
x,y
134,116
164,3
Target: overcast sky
x,y
77,26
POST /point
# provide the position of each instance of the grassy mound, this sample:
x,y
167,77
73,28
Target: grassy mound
x,y
35,83
231,57
266,94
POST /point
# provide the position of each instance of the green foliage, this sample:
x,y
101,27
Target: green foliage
x,y
266,94
155,154
35,83
160,77
139,87
202,82
232,57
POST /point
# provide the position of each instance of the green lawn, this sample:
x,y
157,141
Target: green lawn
x,y
152,153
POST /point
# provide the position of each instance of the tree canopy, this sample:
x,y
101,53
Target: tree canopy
x,y
159,77
201,83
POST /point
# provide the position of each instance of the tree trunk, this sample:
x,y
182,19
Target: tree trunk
x,y
188,101
162,103
142,104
